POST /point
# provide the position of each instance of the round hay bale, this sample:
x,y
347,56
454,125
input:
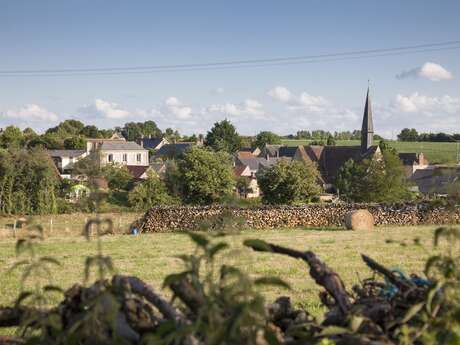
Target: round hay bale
x,y
359,220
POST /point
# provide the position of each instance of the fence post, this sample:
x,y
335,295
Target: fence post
x,y
14,228
51,225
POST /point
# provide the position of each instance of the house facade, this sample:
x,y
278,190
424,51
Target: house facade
x,y
115,150
65,160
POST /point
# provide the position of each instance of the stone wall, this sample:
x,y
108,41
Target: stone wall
x,y
261,217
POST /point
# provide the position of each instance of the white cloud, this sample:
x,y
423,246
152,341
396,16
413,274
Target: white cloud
x,y
304,101
417,103
105,109
428,70
31,112
248,107
173,106
280,93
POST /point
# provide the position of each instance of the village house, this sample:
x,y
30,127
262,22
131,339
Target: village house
x,y
115,150
252,190
64,160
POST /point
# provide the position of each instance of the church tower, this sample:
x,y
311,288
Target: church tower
x,y
367,129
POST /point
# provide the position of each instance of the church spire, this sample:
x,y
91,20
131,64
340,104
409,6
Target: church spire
x,y
367,129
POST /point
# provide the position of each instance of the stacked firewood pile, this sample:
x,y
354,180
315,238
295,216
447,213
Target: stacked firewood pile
x,y
373,312
260,217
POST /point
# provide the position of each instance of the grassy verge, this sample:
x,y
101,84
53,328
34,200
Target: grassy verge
x,y
152,256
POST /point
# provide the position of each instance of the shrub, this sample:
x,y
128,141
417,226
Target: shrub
x,y
289,183
204,176
149,193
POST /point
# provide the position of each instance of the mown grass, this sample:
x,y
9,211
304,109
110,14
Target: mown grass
x,y
435,152
152,256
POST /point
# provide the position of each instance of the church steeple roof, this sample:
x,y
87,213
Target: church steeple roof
x,y
367,129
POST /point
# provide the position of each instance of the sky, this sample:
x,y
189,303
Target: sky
x,y
420,90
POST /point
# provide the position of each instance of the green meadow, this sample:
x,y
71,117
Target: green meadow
x,y
442,153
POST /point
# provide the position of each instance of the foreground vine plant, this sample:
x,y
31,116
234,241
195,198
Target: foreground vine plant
x,y
220,304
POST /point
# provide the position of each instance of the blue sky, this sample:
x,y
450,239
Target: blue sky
x,y
329,95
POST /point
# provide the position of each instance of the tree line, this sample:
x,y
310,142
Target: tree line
x,y
411,134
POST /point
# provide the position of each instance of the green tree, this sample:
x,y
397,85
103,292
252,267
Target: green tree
x,y
118,176
408,135
223,137
51,141
28,182
380,179
289,183
67,128
149,193
205,176
90,131
266,138
172,135
134,131
75,143
11,137
330,141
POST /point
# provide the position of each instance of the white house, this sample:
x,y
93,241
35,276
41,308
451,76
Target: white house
x,y
124,153
115,150
65,160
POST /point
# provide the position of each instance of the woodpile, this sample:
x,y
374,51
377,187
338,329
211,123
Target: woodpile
x,y
181,218
359,220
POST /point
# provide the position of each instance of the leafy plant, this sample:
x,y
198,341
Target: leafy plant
x,y
224,304
36,288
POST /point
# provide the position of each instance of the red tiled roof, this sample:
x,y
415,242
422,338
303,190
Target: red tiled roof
x,y
239,170
137,170
245,154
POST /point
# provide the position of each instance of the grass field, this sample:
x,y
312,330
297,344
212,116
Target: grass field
x,y
152,256
435,152
69,224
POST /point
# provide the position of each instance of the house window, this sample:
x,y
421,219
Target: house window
x,y
110,158
139,157
125,157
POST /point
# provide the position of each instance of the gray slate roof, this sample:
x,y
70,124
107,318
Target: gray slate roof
x,y
66,153
121,145
172,150
151,143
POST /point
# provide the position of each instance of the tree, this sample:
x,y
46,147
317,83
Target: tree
x,y
75,143
172,135
289,182
118,176
134,131
223,137
149,193
379,179
11,137
205,176
330,141
28,182
90,131
67,128
408,135
264,138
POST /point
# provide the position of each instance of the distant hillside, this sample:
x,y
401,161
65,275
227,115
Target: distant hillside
x,y
445,153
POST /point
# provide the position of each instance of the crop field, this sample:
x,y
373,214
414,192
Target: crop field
x,y
153,256
444,153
